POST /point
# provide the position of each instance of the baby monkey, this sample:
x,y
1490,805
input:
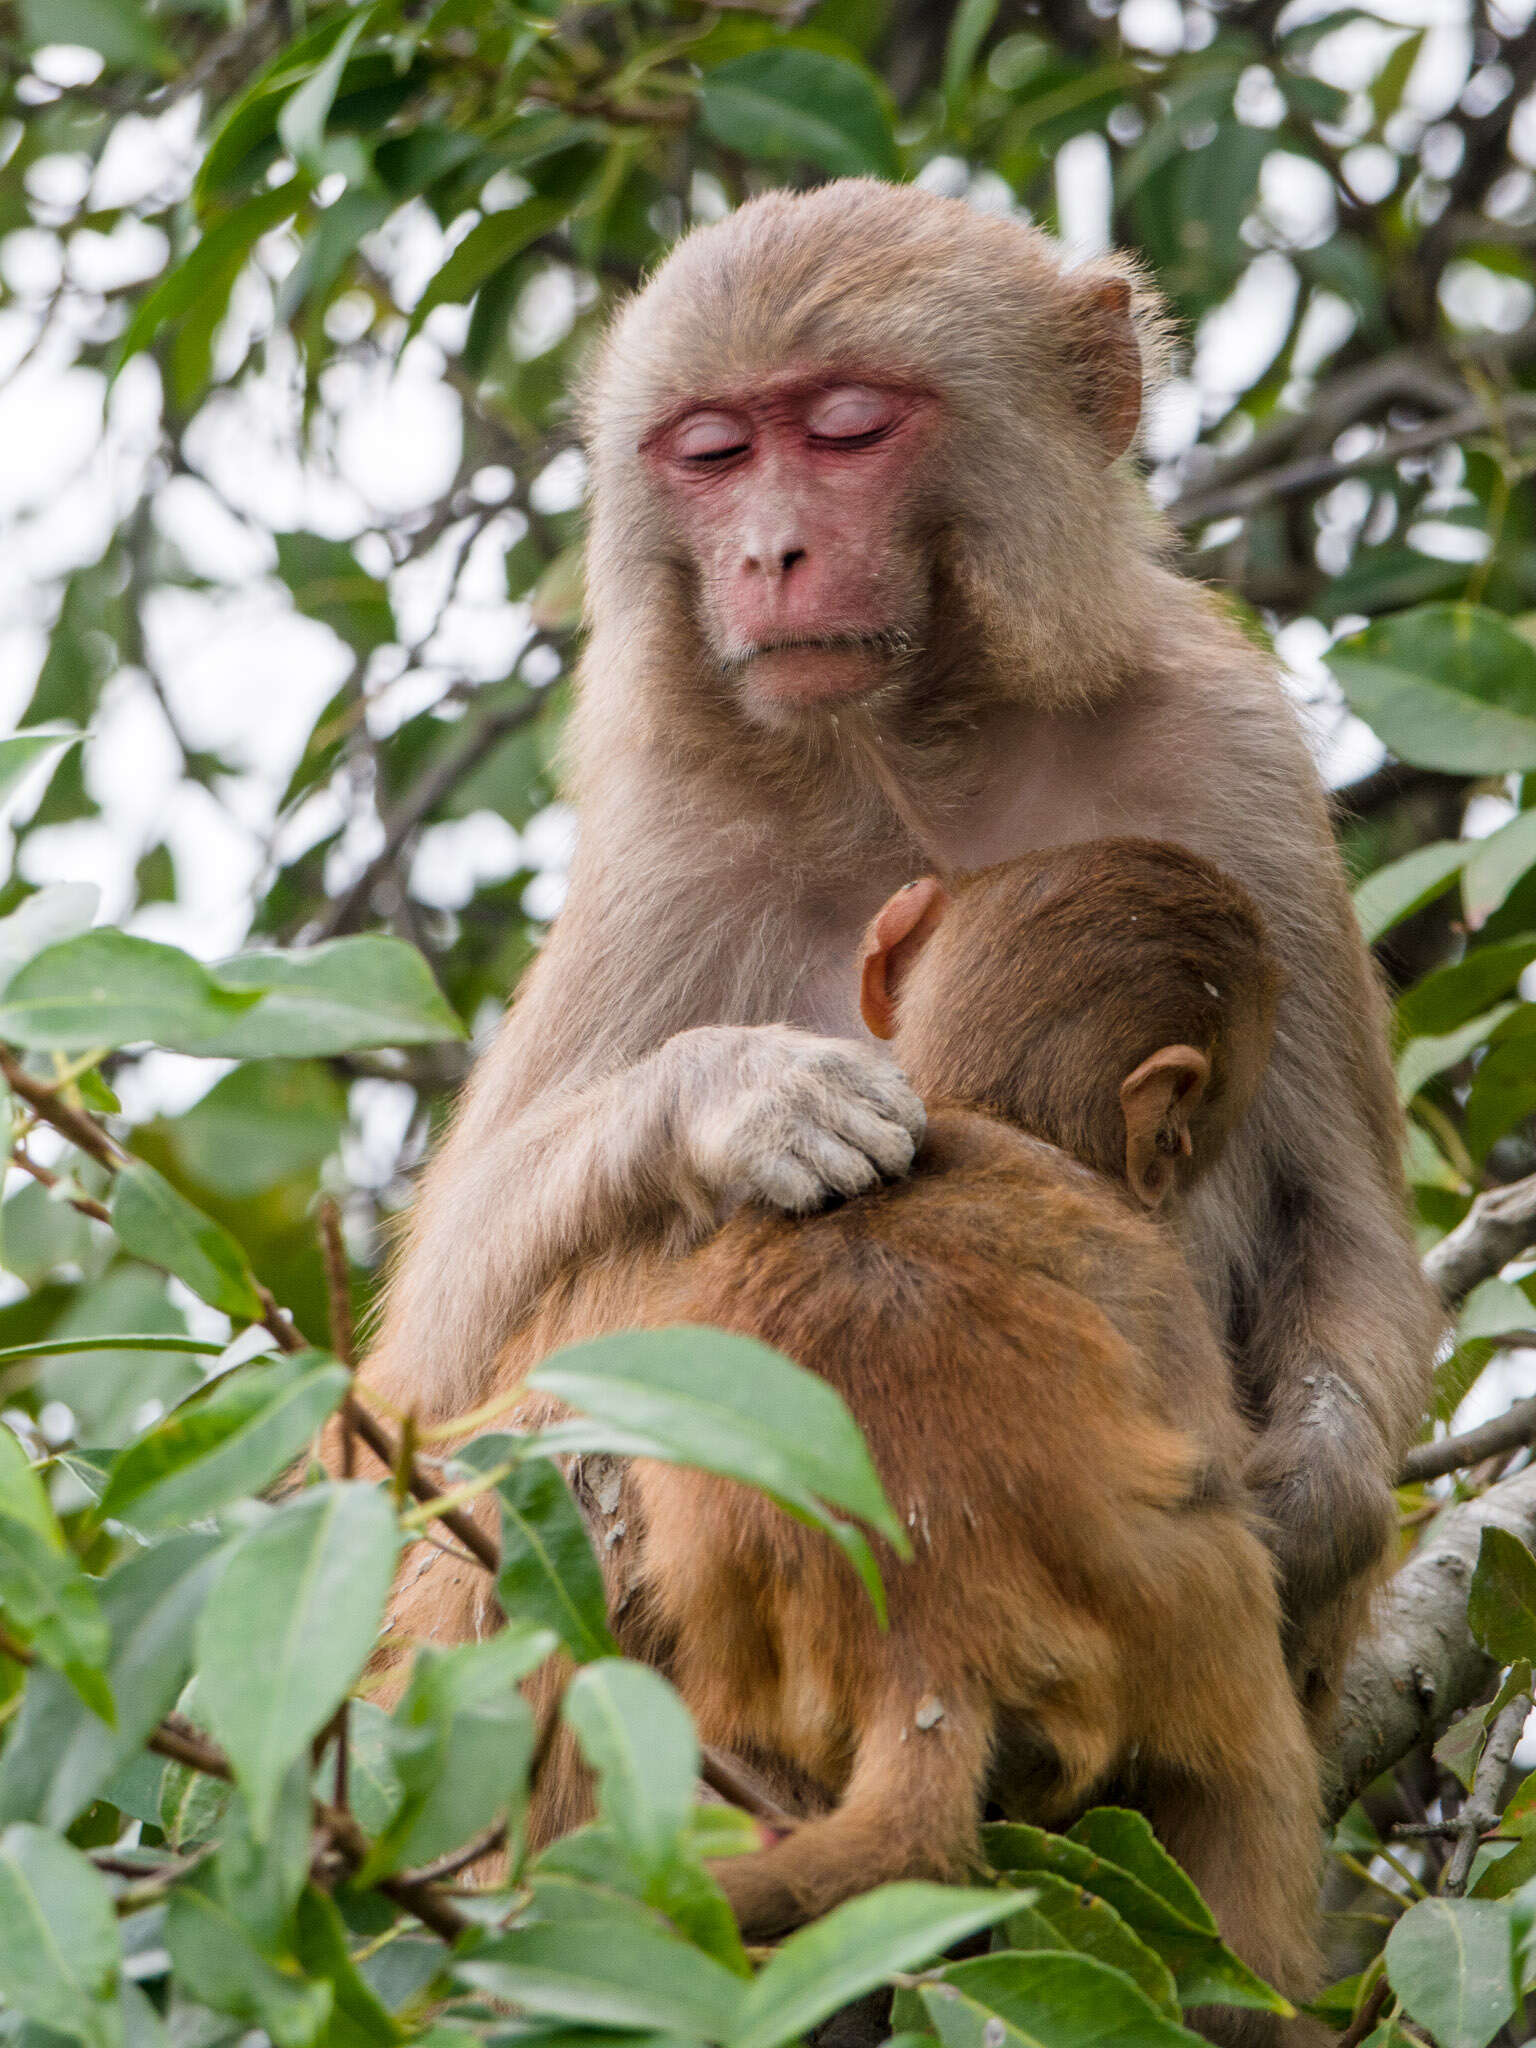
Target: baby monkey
x,y
1089,1610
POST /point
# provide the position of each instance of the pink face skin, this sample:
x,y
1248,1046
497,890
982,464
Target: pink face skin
x,y
795,502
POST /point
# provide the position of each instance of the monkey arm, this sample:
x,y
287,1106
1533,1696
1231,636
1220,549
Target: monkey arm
x,y
659,1152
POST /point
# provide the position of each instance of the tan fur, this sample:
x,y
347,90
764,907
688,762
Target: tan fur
x,y
1062,682
1089,1610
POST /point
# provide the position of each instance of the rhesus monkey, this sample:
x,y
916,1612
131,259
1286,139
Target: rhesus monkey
x,y
1089,1606
872,590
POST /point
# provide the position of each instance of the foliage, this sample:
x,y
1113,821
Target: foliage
x,y
295,704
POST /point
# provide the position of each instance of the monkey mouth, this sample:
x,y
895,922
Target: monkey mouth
x,y
889,643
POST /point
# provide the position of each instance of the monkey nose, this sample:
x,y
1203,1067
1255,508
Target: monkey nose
x,y
776,562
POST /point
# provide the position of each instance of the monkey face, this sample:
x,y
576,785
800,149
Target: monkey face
x,y
794,506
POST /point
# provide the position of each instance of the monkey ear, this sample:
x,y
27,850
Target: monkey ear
x,y
1158,1101
897,935
1108,364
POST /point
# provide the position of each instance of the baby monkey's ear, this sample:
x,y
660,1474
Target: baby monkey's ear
x,y
897,935
1158,1101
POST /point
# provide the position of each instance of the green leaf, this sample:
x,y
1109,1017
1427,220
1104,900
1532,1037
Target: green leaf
x,y
604,1960
60,1953
1061,1915
854,1948
1404,886
489,245
118,29
460,1744
789,105
219,1447
60,1755
1155,1900
636,1734
156,1223
289,1627
46,1598
266,1122
1046,2001
302,117
1423,1058
23,1496
549,1574
217,1963
726,1404
61,911
341,997
1501,1609
1448,998
203,279
1495,1308
1449,686
1495,864
320,1943
968,30
106,988
327,583
1452,1963
20,754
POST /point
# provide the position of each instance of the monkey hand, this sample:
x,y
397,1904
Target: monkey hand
x,y
767,1113
1323,1480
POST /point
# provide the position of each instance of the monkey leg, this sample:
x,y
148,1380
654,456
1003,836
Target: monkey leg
x,y
910,1810
1229,1782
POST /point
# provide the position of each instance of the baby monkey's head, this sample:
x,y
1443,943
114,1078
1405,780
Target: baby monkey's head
x,y
1116,998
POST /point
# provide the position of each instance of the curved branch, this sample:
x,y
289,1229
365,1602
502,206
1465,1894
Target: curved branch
x,y
1420,1665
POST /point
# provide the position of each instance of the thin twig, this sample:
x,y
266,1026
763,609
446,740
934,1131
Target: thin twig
x,y
1514,1430
1484,1805
338,1291
86,1204
1365,2019
1315,472
458,1859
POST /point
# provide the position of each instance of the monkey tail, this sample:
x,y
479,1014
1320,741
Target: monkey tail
x,y
910,1811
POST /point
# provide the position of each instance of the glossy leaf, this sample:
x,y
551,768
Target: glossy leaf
x,y
59,1948
636,1734
233,1441
1396,891
156,1223
106,988
854,1948
1154,1899
218,1964
1448,686
297,1606
61,1754
1062,1915
22,752
599,1958
1501,1609
61,911
791,105
549,1574
1452,1963
1046,2001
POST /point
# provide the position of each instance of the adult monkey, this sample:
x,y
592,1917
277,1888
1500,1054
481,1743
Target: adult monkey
x,y
870,593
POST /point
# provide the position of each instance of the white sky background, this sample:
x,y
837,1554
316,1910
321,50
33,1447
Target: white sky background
x,y
245,675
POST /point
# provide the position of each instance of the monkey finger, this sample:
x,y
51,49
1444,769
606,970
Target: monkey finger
x,y
877,1082
841,1168
889,1143
781,1181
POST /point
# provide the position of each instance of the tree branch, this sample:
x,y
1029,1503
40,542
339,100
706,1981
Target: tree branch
x,y
1484,1805
1420,1665
1500,1225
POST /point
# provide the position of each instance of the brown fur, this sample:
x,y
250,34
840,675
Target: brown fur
x,y
1089,1607
1054,679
